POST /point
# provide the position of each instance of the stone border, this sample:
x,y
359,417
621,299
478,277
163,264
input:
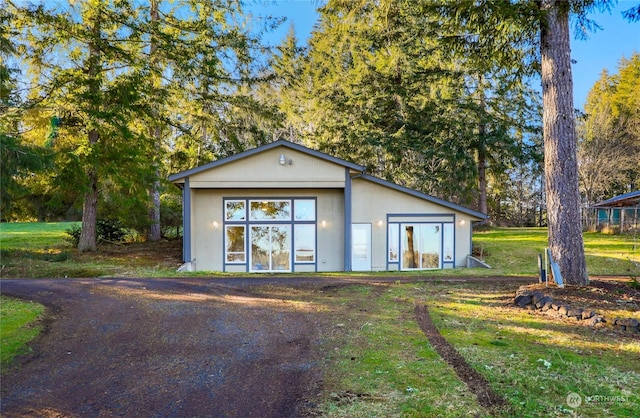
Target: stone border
x,y
537,300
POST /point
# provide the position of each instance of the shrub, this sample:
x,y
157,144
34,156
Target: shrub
x,y
107,230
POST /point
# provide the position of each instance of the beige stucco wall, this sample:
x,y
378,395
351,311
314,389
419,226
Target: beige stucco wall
x,y
263,170
371,204
207,229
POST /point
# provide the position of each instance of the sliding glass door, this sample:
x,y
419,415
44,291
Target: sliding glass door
x,y
421,246
270,248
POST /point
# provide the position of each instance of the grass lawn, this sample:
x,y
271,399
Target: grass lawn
x,y
513,251
18,326
382,364
38,250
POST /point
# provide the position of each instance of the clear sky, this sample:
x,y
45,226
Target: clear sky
x,y
603,49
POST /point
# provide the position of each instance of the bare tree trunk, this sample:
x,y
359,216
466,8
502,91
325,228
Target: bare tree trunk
x,y
154,233
560,155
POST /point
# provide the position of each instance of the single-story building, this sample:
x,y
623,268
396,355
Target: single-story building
x,y
619,212
283,207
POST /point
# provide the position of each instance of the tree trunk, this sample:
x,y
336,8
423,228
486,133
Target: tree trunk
x,y
154,233
482,175
413,263
88,237
482,151
560,155
87,240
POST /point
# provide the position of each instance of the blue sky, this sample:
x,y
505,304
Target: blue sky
x,y
603,49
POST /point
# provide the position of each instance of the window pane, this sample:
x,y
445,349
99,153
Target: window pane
x,y
447,241
235,210
305,243
394,230
260,248
429,246
410,248
305,210
281,247
278,210
235,244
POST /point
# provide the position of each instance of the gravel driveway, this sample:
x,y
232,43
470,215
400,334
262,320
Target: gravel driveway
x,y
166,348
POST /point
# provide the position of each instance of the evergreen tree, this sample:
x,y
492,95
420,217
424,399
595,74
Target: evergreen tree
x,y
559,132
87,66
17,159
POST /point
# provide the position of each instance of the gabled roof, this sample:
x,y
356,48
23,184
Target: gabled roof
x,y
284,143
623,200
279,143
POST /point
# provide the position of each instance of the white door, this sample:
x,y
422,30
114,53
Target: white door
x,y
361,247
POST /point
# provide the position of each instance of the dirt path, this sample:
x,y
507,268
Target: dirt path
x,y
164,348
474,380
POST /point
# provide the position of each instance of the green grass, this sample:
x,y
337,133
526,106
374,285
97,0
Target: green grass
x,y
18,321
383,367
386,367
513,251
38,250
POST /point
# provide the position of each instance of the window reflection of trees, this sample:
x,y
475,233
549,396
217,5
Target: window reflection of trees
x,y
421,246
235,243
271,209
235,211
270,247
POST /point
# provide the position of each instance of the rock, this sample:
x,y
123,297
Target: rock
x,y
522,300
596,319
626,323
555,305
575,313
587,314
542,301
536,297
547,305
563,310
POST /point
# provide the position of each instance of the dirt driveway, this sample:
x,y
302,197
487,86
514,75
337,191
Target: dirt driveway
x,y
160,348
236,347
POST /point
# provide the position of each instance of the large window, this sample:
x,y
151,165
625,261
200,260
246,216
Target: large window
x,y
271,248
421,245
270,234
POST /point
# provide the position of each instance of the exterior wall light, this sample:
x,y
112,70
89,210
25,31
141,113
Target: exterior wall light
x,y
462,222
380,223
283,159
215,224
323,224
